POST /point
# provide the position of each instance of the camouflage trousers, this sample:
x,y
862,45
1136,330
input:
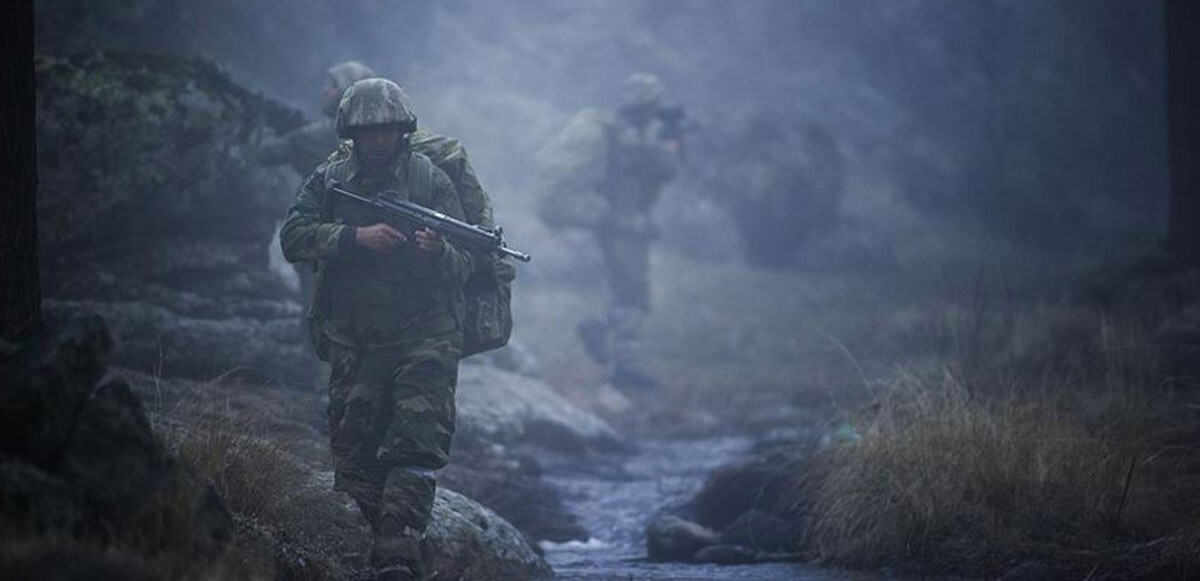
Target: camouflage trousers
x,y
391,419
615,338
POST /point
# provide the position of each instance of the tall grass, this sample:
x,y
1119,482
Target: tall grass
x,y
1046,435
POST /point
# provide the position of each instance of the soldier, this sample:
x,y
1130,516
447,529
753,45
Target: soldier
x,y
312,144
387,310
308,146
605,172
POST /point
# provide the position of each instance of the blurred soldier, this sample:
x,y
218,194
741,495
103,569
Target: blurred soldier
x,y
604,173
387,311
308,146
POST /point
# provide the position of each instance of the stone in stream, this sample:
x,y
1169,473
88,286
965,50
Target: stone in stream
x,y
741,515
671,538
725,554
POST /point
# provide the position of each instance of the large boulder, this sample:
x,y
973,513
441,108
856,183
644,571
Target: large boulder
x,y
153,211
500,407
510,482
290,523
469,541
744,513
306,530
78,459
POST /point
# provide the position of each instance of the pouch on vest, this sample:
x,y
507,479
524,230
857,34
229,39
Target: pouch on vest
x,y
488,294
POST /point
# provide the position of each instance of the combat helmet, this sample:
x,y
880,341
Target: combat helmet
x,y
375,102
347,73
642,90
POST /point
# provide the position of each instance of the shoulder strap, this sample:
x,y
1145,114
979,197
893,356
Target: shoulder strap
x,y
420,178
336,169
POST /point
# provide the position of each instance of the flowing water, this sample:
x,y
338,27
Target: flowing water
x,y
615,499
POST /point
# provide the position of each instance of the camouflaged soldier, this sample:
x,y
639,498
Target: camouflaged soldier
x,y
310,145
604,173
388,311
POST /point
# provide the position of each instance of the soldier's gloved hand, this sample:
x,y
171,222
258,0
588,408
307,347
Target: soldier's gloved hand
x,y
379,237
429,241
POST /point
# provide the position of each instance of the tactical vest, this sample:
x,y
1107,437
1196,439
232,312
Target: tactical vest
x,y
487,323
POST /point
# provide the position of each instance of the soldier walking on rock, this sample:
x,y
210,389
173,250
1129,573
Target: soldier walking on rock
x,y
604,173
387,314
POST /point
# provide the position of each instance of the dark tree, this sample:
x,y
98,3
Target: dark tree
x,y
20,291
1183,114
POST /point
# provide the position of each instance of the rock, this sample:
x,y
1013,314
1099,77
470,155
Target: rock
x,y
670,538
79,460
157,339
468,541
760,482
1029,571
725,554
512,485
280,488
499,407
71,562
164,230
763,531
767,159
167,141
745,512
321,535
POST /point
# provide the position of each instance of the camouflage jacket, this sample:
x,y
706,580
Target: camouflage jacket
x,y
365,297
303,148
603,173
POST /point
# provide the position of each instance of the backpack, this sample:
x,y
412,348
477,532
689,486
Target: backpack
x,y
488,293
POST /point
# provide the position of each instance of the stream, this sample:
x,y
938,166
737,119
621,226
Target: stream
x,y
616,497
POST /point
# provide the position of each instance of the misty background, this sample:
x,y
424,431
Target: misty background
x,y
913,251
1035,123
911,147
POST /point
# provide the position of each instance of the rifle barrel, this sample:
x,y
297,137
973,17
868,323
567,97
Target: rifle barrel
x,y
470,235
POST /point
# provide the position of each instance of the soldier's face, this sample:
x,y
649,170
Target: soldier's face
x,y
331,94
376,143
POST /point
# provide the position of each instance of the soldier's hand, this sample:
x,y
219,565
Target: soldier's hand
x,y
429,241
379,237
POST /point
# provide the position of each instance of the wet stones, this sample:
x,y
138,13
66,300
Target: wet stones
x,y
742,515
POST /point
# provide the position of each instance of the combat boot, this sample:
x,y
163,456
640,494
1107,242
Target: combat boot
x,y
397,558
398,573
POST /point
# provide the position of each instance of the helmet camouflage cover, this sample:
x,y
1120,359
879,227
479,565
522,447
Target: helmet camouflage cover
x,y
375,102
347,73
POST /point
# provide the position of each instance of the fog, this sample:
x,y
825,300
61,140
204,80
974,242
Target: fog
x,y
1035,120
901,233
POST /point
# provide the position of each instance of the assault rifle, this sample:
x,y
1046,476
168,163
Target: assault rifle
x,y
462,234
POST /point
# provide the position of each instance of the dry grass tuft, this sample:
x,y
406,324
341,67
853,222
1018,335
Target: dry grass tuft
x,y
1093,468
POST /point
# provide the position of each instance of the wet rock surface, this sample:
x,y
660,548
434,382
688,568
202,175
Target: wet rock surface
x,y
500,407
153,212
744,513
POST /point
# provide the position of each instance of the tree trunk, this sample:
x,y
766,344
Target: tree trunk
x,y
1183,127
20,290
